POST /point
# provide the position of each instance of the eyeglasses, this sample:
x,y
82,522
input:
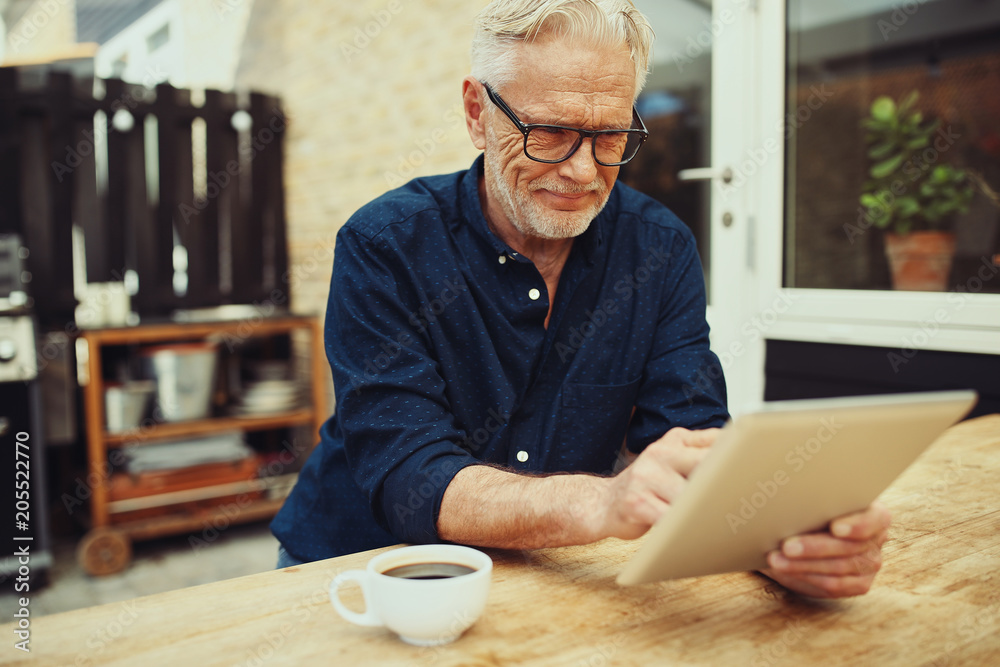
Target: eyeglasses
x,y
558,143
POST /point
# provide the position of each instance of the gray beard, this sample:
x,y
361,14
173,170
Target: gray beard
x,y
531,219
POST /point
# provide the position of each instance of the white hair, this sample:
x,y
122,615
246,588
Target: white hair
x,y
504,24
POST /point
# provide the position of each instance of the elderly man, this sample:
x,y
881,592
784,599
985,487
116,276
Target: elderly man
x,y
529,316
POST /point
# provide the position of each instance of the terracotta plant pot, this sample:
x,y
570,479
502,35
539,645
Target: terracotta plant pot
x,y
920,261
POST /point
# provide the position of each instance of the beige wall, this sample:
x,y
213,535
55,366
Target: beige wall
x,y
45,29
373,93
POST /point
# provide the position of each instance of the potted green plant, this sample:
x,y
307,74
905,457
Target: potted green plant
x,y
911,194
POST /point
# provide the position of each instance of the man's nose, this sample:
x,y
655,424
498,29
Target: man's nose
x,y
580,167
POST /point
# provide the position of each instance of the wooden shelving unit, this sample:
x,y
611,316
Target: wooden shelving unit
x,y
173,430
115,523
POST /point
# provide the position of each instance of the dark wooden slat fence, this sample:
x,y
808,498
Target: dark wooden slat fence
x,y
65,160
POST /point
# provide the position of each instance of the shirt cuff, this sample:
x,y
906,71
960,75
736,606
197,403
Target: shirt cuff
x,y
411,493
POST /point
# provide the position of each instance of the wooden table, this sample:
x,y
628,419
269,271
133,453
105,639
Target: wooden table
x,y
936,602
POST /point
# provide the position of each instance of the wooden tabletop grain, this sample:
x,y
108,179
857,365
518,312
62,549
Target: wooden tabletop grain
x,y
936,602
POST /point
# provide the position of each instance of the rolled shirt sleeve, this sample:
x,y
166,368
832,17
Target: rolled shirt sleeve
x,y
400,435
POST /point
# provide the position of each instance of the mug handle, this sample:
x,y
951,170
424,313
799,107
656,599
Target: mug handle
x,y
369,618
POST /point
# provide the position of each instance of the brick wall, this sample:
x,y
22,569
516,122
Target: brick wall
x,y
373,93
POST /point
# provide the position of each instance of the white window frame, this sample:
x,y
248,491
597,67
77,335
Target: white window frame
x,y
910,321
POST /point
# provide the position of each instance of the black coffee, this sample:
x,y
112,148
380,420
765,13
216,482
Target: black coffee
x,y
429,571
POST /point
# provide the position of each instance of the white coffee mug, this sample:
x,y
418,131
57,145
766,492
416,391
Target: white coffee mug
x,y
424,612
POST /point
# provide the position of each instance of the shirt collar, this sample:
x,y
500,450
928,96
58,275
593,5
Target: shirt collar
x,y
590,241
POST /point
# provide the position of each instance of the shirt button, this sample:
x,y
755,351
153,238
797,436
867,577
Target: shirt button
x,y
502,259
522,456
533,294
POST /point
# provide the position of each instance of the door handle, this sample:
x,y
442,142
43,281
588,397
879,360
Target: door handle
x,y
706,174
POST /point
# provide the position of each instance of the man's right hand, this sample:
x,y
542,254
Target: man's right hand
x,y
488,507
642,492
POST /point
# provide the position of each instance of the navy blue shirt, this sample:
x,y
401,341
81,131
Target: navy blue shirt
x,y
440,358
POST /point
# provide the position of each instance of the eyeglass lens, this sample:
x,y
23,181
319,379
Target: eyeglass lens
x,y
554,144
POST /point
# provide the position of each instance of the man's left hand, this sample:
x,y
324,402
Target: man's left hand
x,y
841,561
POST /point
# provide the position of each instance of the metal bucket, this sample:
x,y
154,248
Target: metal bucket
x,y
125,405
185,378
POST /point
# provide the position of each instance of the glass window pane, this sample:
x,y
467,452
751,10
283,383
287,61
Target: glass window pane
x,y
893,113
676,108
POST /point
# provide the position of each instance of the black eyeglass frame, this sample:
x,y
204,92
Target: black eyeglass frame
x,y
525,128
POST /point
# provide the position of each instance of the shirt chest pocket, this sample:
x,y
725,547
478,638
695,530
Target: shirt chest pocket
x,y
593,421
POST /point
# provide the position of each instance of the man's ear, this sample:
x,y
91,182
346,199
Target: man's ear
x,y
474,111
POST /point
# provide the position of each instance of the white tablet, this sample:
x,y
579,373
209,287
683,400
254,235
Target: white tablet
x,y
786,469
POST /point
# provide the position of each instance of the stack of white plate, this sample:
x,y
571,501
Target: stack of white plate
x,y
188,452
263,397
